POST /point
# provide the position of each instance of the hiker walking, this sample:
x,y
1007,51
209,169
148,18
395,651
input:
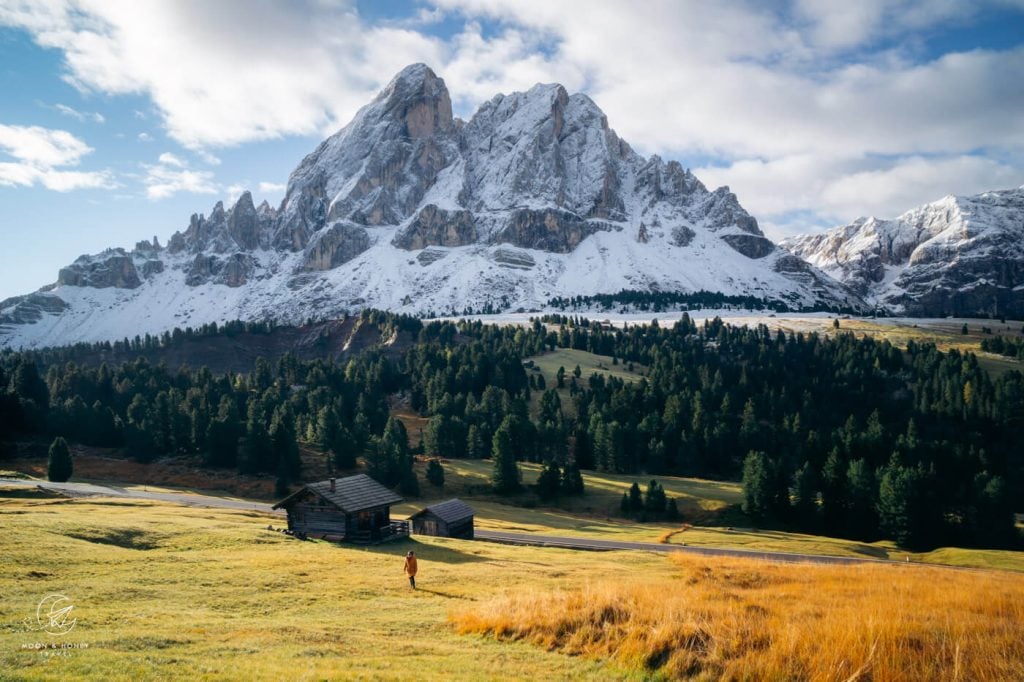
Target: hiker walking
x,y
410,568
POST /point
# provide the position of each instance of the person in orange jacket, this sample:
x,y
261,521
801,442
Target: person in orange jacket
x,y
410,568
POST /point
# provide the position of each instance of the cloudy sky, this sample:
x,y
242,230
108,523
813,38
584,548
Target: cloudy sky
x,y
120,118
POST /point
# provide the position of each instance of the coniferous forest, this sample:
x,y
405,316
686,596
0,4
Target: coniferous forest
x,y
843,436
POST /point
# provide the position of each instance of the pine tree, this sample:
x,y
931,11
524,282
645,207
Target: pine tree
x,y
901,505
572,480
757,485
506,476
345,448
805,496
409,484
435,473
672,510
285,447
654,500
391,458
549,482
59,465
475,444
862,490
636,498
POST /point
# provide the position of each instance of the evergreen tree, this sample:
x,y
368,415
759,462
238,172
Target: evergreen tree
x,y
475,444
900,505
572,480
59,465
833,492
805,496
672,510
391,458
257,448
636,498
345,448
654,500
757,485
506,477
549,482
409,484
862,489
435,473
285,447
222,436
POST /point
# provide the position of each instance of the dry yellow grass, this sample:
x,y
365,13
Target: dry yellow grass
x,y
739,619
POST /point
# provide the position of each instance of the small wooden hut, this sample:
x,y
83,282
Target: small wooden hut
x,y
451,519
354,509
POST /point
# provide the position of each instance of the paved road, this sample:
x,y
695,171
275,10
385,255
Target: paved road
x,y
533,539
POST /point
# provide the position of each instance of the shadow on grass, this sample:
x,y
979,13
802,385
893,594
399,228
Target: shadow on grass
x,y
29,493
399,548
439,593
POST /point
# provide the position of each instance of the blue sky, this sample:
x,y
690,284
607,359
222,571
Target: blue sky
x,y
119,119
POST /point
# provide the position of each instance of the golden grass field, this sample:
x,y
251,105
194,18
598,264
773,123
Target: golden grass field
x,y
740,619
169,592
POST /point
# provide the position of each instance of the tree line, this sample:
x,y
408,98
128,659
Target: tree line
x,y
845,436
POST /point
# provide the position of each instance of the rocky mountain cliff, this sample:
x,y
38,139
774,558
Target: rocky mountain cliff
x,y
410,209
959,256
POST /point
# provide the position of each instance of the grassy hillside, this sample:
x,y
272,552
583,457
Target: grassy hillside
x,y
170,592
547,365
162,591
709,518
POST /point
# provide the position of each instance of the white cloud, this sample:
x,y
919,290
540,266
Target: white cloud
x,y
808,192
887,192
42,146
41,156
271,188
169,159
165,181
207,157
281,68
83,116
145,137
792,101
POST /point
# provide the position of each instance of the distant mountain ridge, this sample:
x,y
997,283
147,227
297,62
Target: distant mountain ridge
x,y
959,256
410,209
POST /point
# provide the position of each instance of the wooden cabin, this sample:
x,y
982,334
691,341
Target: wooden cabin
x,y
451,519
353,509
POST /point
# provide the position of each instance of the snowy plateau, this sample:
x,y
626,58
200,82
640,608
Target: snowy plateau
x,y
410,209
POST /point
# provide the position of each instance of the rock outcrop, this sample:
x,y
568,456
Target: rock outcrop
x,y
233,271
112,268
338,244
434,226
750,245
548,230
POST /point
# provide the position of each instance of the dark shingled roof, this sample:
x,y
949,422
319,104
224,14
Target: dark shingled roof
x,y
351,494
449,512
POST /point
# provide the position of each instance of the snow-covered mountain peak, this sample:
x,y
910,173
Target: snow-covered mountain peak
x,y
960,255
407,208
